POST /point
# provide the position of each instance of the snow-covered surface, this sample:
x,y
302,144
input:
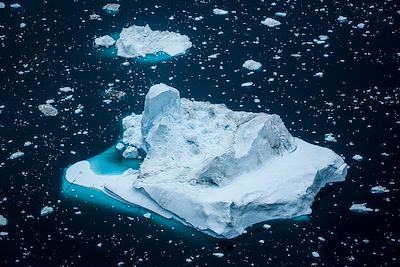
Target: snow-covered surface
x,y
139,41
46,210
270,22
251,64
218,11
212,168
48,110
105,40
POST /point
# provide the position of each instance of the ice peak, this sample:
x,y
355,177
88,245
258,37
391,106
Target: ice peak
x,y
162,101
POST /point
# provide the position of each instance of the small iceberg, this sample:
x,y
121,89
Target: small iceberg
x,y
139,41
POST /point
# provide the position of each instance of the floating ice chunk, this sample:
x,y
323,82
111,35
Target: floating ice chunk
x,y
120,146
379,190
357,157
66,89
2,5
139,41
3,220
319,74
79,109
46,210
267,226
323,37
94,17
315,254
15,5
218,11
360,25
130,152
147,215
105,40
280,14
48,110
17,155
28,143
330,137
247,84
213,56
218,254
251,64
111,8
270,22
22,25
341,19
361,208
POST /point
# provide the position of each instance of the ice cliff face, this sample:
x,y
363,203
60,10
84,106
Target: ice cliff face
x,y
212,168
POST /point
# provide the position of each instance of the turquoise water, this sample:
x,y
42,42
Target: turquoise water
x,y
111,162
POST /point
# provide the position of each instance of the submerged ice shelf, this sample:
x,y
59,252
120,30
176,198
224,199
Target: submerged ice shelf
x,y
212,168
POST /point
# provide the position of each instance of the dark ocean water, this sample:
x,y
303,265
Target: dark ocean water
x,y
357,100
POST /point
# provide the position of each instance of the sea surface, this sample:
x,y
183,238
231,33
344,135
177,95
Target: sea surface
x,y
356,100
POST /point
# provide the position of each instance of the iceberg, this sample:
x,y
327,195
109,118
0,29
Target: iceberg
x,y
139,41
212,168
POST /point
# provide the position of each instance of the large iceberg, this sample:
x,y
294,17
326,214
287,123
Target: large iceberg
x,y
212,168
139,41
